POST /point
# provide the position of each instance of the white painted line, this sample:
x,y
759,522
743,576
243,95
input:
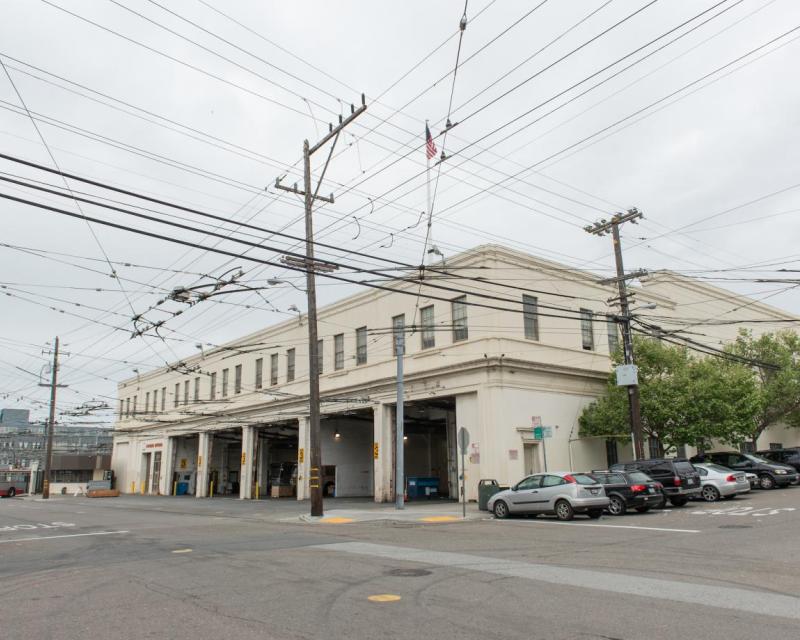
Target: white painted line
x,y
607,526
658,589
71,535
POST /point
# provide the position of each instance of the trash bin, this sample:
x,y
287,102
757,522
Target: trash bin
x,y
486,489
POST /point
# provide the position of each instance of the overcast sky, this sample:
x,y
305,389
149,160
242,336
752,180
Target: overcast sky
x,y
710,157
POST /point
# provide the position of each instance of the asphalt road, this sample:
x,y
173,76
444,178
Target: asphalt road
x,y
132,568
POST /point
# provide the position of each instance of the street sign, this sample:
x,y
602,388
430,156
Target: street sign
x,y
536,421
463,440
540,433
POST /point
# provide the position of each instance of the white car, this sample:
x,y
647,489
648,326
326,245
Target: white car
x,y
718,482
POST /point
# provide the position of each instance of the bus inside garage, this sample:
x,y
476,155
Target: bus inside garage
x,y
429,428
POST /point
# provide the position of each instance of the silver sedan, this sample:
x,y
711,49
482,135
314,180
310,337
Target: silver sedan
x,y
563,494
718,482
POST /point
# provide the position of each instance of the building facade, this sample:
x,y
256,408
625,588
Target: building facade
x,y
234,420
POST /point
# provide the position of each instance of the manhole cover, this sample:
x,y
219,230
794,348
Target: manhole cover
x,y
408,573
735,526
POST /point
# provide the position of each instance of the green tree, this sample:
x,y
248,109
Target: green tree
x,y
776,365
684,400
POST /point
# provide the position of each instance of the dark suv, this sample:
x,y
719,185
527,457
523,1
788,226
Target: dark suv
x,y
678,477
632,490
789,457
770,474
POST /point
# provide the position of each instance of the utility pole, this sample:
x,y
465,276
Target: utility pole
x,y
399,457
311,266
51,421
599,229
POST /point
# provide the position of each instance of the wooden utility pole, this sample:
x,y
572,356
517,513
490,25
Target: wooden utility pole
x,y
601,228
51,421
311,266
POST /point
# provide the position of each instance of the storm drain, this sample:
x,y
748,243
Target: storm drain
x,y
408,573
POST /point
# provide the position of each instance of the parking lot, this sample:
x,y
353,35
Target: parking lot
x,y
187,568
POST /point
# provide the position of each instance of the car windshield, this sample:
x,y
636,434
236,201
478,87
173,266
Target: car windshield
x,y
639,476
754,458
684,467
582,478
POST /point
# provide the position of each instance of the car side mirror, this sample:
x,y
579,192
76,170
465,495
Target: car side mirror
x,y
514,488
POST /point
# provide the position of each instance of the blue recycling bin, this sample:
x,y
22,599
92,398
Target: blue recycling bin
x,y
182,489
422,488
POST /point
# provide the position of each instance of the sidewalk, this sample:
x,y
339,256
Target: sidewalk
x,y
419,512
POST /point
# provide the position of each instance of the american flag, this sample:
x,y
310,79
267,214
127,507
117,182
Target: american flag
x,y
430,145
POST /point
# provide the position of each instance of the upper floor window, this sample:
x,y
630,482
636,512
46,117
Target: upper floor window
x,y
163,398
613,334
134,404
361,345
428,331
530,316
338,351
459,312
155,401
212,390
186,392
177,398
273,369
225,376
147,402
398,332
289,365
197,389
121,408
587,330
320,359
237,379
127,407
259,373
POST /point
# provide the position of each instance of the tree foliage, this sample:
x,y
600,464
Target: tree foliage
x,y
684,400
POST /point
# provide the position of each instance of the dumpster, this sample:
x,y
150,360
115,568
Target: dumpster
x,y
486,489
421,488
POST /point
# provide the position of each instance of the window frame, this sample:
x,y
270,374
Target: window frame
x,y
361,345
237,379
458,314
273,369
338,351
530,316
427,327
259,373
290,364
587,329
212,388
196,394
226,374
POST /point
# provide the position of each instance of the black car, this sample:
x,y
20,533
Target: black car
x,y
679,479
629,490
790,457
770,474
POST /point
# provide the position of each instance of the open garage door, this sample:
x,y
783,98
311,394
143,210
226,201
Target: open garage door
x,y
276,455
347,454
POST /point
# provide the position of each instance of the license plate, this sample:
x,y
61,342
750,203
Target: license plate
x,y
594,492
651,490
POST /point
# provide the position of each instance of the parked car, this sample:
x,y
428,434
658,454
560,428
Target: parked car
x,y
790,456
770,474
629,490
678,477
720,482
752,478
563,494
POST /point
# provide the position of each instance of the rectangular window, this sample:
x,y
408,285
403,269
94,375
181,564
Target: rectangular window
x,y
163,398
186,392
398,332
613,335
237,379
134,404
155,401
320,360
177,399
587,330
775,445
459,312
212,391
361,345
654,447
121,408
338,351
612,456
428,332
273,369
259,373
530,316
197,389
147,402
225,373
290,365
127,407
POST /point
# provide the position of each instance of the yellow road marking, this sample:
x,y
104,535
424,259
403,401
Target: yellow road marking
x,y
384,597
440,519
337,520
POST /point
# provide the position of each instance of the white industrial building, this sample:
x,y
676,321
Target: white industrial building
x,y
234,420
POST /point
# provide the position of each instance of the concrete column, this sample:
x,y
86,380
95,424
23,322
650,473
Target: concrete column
x,y
248,462
203,463
382,443
303,463
167,467
263,467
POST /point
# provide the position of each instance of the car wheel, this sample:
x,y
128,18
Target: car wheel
x,y
678,502
12,492
710,493
643,509
616,506
564,510
594,514
766,482
500,510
